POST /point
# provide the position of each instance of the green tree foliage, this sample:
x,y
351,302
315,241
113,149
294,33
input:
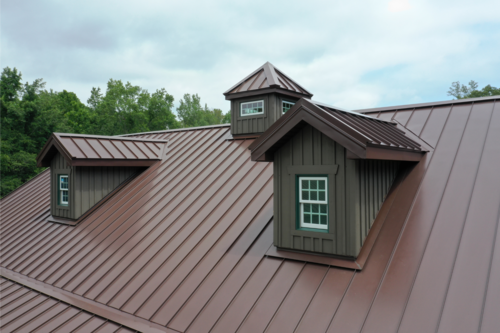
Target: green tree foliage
x,y
192,114
460,91
30,114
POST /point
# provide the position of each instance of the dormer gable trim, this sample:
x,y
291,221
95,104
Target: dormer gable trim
x,y
96,150
363,136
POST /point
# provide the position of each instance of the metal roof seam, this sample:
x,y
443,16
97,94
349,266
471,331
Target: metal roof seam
x,y
95,151
132,249
75,265
204,237
17,192
409,212
71,139
467,210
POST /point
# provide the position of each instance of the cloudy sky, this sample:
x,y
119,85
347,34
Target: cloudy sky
x,y
352,54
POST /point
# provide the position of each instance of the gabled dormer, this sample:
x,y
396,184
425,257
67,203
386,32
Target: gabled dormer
x,y
87,169
260,99
332,172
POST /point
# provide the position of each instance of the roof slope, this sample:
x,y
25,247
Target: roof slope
x,y
265,77
96,150
27,310
183,245
364,136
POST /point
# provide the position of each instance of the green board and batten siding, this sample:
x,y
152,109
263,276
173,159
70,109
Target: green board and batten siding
x,y
87,186
357,189
255,124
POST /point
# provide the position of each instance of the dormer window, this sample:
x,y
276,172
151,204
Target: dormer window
x,y
252,108
285,106
63,190
313,202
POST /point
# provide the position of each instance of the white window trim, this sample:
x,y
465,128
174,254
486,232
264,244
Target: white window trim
x,y
61,190
282,102
302,202
251,114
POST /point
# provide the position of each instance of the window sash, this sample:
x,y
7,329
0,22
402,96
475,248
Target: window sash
x,y
253,105
308,204
286,105
63,190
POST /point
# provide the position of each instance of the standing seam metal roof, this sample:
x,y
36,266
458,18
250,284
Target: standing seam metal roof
x,y
183,245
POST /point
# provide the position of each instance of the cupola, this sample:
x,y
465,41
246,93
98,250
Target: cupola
x,y
260,99
86,170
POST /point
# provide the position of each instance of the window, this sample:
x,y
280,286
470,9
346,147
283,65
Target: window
x,y
63,190
286,106
313,202
251,108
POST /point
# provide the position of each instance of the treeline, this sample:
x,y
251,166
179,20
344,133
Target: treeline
x,y
30,114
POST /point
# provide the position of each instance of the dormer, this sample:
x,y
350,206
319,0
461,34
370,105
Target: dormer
x,y
260,99
333,169
86,169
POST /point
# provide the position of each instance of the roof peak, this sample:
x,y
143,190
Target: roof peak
x,y
267,76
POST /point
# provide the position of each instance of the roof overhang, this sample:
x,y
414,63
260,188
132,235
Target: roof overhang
x,y
355,137
95,150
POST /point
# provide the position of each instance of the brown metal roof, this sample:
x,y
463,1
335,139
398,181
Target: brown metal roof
x,y
25,309
184,244
265,78
95,150
365,136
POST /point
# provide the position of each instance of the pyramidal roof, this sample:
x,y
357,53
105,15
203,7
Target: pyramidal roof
x,y
267,77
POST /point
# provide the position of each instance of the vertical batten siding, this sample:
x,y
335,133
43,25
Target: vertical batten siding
x,y
59,166
87,185
260,123
356,193
92,184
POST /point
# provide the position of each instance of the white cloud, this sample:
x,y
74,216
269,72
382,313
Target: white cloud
x,y
398,5
350,54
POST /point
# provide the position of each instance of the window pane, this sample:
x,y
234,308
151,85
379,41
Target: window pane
x,y
305,184
307,208
314,184
314,195
321,184
322,209
315,208
305,195
323,219
315,219
307,218
321,196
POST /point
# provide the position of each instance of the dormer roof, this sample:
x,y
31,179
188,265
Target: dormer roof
x,y
267,78
363,136
96,150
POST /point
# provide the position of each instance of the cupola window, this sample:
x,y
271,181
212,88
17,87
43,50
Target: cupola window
x,y
252,108
286,106
63,190
313,202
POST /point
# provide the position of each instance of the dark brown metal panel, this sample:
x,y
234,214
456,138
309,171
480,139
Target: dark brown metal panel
x,y
436,119
473,259
206,306
387,116
111,148
323,306
247,296
98,148
402,116
269,301
210,199
298,299
85,147
391,297
418,120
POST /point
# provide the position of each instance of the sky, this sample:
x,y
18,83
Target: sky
x,y
351,54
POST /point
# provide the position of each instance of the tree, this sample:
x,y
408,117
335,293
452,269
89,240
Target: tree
x,y
460,91
192,114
